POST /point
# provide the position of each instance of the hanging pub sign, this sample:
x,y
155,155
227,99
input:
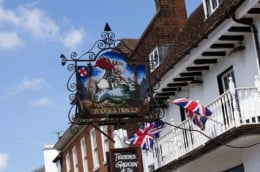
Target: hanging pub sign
x,y
126,160
111,86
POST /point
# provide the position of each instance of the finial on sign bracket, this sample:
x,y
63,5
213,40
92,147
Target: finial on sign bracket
x,y
107,28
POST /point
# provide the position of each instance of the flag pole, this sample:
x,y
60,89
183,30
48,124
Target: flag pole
x,y
213,120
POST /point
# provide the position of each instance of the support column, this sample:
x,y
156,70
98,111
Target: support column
x,y
234,102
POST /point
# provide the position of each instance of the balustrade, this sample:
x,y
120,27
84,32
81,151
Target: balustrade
x,y
234,108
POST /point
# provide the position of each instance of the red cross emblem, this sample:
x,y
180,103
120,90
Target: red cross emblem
x,y
82,72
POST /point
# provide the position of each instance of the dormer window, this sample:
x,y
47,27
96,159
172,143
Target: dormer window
x,y
210,6
157,56
154,59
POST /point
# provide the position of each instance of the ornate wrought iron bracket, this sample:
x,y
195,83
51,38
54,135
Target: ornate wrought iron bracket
x,y
79,108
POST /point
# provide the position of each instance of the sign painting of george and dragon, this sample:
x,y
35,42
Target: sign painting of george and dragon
x,y
111,86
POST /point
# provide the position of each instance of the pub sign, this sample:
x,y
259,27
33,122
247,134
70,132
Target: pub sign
x,y
111,86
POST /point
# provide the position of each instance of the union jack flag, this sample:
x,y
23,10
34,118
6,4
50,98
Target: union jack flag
x,y
146,134
196,112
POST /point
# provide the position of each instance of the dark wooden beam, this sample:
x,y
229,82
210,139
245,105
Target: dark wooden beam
x,y
254,11
214,53
197,68
224,45
191,74
205,61
163,105
169,89
183,79
178,84
161,97
239,29
197,82
232,38
171,93
246,20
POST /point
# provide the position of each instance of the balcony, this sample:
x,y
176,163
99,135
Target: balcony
x,y
236,110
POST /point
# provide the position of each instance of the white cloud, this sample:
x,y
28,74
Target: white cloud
x,y
73,38
44,101
36,23
29,84
7,16
9,40
3,161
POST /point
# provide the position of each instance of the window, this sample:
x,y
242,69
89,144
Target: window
x,y
223,79
157,56
75,159
104,143
210,6
84,154
226,102
68,162
154,59
94,148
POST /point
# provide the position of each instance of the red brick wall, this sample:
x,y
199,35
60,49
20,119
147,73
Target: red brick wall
x,y
76,142
169,19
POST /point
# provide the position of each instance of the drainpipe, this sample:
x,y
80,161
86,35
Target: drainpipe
x,y
255,34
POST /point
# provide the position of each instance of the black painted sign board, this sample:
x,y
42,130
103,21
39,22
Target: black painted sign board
x,y
126,160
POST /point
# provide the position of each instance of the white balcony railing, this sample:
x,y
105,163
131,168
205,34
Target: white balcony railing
x,y
236,107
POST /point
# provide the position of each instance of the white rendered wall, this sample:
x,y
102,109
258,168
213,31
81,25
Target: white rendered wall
x,y
49,153
147,160
225,158
251,159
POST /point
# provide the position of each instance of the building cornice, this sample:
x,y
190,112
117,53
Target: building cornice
x,y
67,137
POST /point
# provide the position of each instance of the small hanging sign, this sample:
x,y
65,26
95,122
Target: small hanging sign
x,y
126,160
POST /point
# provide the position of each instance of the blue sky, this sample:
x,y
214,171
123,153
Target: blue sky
x,y
33,96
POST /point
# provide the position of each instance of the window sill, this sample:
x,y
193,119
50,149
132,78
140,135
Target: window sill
x,y
95,169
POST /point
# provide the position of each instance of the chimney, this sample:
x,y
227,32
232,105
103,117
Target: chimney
x,y
177,5
173,12
161,3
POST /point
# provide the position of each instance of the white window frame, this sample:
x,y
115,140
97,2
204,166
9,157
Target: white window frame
x,y
68,167
105,144
94,148
209,7
154,59
84,154
75,159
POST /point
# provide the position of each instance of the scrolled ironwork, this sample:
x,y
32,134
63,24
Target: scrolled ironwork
x,y
108,39
73,55
71,84
106,43
72,97
74,128
71,114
